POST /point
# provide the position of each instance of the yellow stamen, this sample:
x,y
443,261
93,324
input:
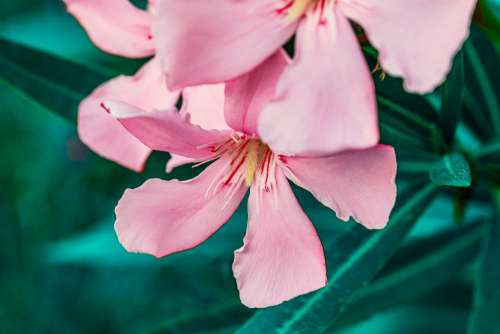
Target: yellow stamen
x,y
298,9
379,68
252,161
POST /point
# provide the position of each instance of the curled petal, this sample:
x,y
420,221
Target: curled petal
x,y
202,42
167,131
360,184
104,134
325,100
177,161
115,26
282,256
164,217
247,94
416,39
205,105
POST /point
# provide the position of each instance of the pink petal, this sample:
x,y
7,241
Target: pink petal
x,y
115,26
247,94
416,39
282,256
356,183
214,41
177,161
205,104
151,6
106,136
168,131
164,217
325,100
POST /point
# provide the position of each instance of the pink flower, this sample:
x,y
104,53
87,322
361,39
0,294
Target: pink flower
x,y
282,256
119,28
218,40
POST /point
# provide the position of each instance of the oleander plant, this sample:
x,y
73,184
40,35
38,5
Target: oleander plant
x,y
250,166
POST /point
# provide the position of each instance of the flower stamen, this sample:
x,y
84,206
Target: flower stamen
x,y
248,161
298,8
252,161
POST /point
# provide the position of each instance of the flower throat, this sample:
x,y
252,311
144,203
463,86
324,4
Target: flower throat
x,y
297,8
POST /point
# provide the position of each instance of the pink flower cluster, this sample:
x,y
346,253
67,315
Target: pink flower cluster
x,y
258,119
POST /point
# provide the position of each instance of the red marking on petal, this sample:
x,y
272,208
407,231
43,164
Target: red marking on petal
x,y
285,7
240,150
103,106
267,170
233,173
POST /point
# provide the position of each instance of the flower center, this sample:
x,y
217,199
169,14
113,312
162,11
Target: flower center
x,y
249,161
298,8
295,9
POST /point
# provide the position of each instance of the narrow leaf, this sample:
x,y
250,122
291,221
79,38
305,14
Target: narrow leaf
x,y
406,120
423,265
55,83
477,121
488,20
482,80
452,93
354,259
413,107
214,320
490,153
484,318
99,248
453,170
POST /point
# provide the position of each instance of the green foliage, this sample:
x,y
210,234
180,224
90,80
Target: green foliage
x,y
488,18
63,271
481,103
53,82
357,255
452,93
484,318
423,265
453,170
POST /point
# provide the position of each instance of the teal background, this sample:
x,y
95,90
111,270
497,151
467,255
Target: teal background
x,y
62,269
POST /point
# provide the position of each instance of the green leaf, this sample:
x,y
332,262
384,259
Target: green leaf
x,y
399,138
423,265
407,120
488,162
453,170
490,153
485,315
99,248
414,319
452,92
482,112
354,259
415,163
488,19
55,83
216,319
403,128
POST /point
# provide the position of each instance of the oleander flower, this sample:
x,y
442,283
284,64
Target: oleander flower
x,y
217,40
119,28
282,256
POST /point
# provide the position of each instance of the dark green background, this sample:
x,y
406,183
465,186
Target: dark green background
x,y
63,271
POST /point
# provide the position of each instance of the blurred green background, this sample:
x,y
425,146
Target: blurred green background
x,y
62,269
